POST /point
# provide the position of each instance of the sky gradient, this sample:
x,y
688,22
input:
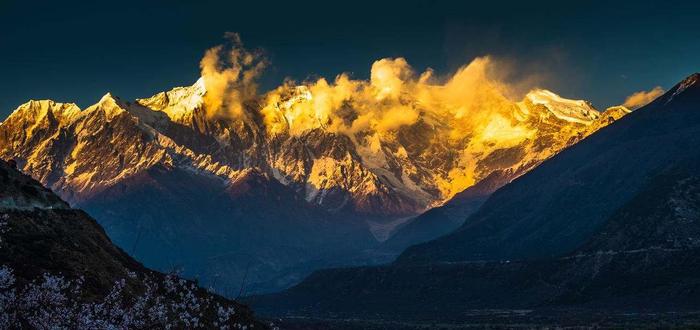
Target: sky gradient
x,y
78,51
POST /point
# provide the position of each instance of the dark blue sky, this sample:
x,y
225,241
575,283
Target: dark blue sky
x,y
77,51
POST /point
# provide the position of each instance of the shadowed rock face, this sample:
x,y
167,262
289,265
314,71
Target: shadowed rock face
x,y
616,233
40,234
249,234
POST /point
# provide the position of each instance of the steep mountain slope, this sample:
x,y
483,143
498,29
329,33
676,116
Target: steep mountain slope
x,y
49,248
553,209
640,261
442,220
313,188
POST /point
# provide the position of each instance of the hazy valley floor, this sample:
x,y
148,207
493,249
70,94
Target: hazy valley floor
x,y
513,319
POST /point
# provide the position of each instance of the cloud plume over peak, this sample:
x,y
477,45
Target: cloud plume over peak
x,y
642,98
230,72
473,111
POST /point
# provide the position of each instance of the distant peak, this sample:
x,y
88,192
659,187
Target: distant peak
x,y
50,103
178,103
199,86
108,97
619,108
543,93
578,111
689,81
543,96
40,108
684,85
109,104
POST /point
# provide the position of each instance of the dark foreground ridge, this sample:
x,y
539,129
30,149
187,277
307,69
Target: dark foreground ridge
x,y
59,269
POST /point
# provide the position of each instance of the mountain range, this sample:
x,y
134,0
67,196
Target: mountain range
x,y
259,201
605,232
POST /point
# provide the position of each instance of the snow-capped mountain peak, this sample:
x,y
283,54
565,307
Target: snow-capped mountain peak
x,y
179,103
110,105
38,109
618,108
578,111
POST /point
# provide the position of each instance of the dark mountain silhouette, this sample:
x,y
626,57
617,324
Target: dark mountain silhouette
x,y
442,220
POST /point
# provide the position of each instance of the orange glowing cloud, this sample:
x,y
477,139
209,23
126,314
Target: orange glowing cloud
x,y
472,112
229,75
642,98
395,96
